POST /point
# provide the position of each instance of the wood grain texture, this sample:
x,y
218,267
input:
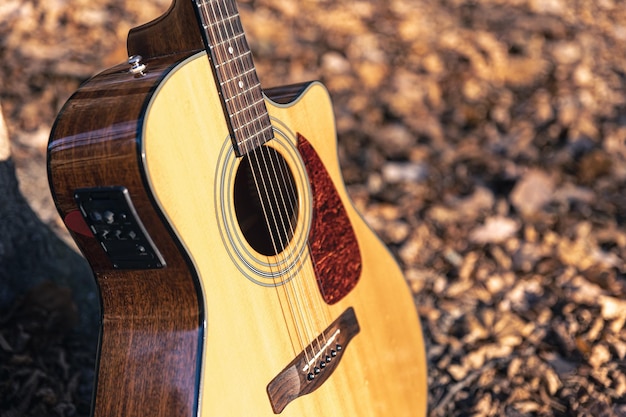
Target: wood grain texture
x,y
151,320
173,32
334,249
285,94
251,332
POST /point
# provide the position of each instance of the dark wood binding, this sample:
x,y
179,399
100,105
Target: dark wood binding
x,y
333,245
287,93
293,382
151,319
173,32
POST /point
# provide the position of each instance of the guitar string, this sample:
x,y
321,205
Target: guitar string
x,y
257,185
261,164
311,280
273,215
307,289
268,166
311,289
283,171
213,28
290,226
262,188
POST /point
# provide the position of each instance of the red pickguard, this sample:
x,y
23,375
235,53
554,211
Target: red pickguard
x,y
332,241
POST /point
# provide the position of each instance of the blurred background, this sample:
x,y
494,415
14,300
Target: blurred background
x,y
484,140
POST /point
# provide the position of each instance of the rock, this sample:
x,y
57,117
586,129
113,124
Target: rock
x,y
395,172
532,192
495,230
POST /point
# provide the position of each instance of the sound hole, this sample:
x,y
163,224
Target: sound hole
x,y
266,200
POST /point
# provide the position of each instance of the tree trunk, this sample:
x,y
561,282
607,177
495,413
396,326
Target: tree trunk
x,y
48,300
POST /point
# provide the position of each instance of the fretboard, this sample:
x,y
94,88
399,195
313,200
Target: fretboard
x,y
238,83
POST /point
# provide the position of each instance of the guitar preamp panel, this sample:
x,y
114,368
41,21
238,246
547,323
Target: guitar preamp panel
x,y
112,218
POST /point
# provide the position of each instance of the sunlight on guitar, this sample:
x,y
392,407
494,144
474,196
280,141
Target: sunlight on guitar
x,y
235,275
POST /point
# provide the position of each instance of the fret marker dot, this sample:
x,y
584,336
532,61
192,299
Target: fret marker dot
x,y
240,84
231,50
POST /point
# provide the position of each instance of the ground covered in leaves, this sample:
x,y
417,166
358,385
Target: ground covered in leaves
x,y
484,140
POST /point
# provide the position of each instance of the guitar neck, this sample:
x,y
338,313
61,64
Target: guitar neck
x,y
233,67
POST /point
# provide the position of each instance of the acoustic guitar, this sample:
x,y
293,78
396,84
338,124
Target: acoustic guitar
x,y
236,278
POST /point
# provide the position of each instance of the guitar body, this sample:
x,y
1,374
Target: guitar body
x,y
206,318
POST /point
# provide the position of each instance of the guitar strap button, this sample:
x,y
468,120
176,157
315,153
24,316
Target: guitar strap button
x,y
136,66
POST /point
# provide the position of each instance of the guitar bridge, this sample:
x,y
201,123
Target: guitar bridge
x,y
314,365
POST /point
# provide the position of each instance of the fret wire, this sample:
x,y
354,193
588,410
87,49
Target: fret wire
x,y
235,37
219,39
252,125
245,73
256,99
224,23
252,89
230,42
249,92
246,109
253,111
203,13
240,64
246,77
249,143
233,92
250,113
251,122
234,66
232,60
248,74
244,114
258,136
237,62
253,140
225,33
234,18
260,133
225,55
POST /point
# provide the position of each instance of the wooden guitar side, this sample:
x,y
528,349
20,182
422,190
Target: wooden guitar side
x,y
151,319
204,335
